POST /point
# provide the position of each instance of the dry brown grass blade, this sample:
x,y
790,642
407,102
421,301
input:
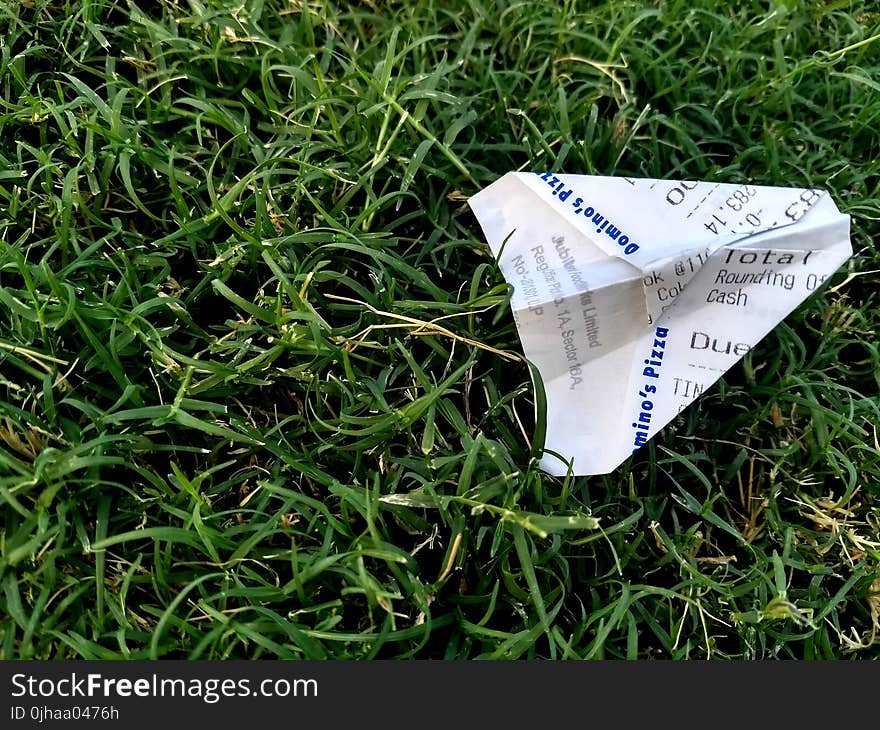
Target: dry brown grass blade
x,y
421,327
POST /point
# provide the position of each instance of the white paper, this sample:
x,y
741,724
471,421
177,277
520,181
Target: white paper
x,y
633,296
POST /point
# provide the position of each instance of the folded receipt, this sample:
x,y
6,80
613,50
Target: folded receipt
x,y
633,296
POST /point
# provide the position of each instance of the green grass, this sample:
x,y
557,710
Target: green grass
x,y
226,429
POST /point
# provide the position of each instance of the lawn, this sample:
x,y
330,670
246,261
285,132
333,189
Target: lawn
x,y
261,393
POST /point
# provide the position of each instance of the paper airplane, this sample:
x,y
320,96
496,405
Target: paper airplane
x,y
633,296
